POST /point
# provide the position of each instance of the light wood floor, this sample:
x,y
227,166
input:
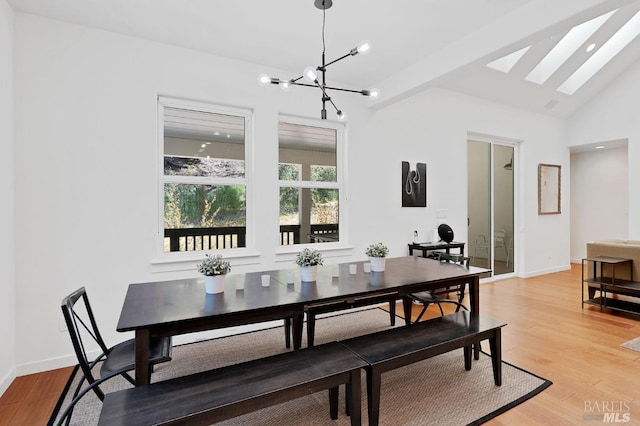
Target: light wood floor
x,y
548,333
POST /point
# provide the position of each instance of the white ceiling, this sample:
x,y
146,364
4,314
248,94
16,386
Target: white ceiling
x,y
416,43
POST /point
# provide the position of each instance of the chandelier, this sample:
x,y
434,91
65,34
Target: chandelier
x,y
309,77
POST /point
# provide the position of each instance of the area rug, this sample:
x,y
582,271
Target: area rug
x,y
436,391
633,344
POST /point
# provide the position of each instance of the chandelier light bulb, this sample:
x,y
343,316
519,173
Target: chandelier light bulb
x,y
264,80
342,116
364,47
286,85
310,74
374,93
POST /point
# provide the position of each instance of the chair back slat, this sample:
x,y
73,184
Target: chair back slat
x,y
81,325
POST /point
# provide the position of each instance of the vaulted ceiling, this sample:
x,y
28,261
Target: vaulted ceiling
x,y
416,43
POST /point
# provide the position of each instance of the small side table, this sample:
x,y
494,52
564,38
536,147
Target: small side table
x,y
598,278
425,248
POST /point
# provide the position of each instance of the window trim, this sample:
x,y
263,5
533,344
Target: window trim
x,y
340,185
162,257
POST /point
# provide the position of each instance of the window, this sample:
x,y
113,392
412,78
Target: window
x,y
203,178
310,182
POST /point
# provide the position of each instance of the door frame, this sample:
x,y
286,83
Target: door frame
x,y
516,145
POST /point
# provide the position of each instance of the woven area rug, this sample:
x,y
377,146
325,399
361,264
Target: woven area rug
x,y
633,344
436,391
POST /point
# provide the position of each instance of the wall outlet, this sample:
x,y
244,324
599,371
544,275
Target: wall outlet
x,y
62,324
441,214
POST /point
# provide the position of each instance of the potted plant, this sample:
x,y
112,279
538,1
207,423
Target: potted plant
x,y
214,269
308,260
377,253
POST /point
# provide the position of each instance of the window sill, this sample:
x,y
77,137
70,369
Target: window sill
x,y
187,261
328,250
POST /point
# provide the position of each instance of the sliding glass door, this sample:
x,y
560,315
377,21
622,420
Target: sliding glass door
x,y
490,174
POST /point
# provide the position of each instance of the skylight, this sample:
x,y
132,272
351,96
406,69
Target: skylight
x,y
580,43
611,48
505,63
566,47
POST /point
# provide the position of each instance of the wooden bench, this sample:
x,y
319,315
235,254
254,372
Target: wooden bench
x,y
220,394
390,349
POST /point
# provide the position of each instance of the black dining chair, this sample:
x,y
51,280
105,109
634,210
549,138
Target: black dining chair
x,y
427,298
114,361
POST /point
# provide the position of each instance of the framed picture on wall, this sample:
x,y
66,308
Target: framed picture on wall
x,y
549,180
414,185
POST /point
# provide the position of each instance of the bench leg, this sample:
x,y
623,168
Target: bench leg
x,y
353,398
496,356
467,357
333,403
374,380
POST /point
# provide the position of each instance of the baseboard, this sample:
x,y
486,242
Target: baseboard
x,y
46,365
7,380
70,360
545,271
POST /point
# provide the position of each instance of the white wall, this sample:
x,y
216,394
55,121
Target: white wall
x,y
599,202
433,128
612,115
7,213
86,158
86,154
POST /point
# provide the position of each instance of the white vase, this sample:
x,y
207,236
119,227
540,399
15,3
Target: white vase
x,y
214,284
377,263
309,273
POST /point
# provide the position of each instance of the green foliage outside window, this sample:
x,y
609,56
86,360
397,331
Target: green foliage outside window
x,y
203,206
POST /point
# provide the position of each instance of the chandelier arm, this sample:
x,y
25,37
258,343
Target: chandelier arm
x,y
326,96
362,92
303,84
336,60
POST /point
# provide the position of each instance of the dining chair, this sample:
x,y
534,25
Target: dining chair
x,y
114,361
499,236
481,243
427,298
510,252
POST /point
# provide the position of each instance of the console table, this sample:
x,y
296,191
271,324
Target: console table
x,y
425,248
597,281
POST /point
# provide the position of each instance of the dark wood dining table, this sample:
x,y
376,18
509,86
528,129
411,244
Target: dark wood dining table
x,y
168,308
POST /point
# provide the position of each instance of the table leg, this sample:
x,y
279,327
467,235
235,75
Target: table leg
x,y
474,305
142,342
311,328
496,356
406,305
297,331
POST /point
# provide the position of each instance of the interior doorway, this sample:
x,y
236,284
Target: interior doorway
x,y
490,205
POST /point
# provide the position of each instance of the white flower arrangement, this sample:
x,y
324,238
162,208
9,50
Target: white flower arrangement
x,y
377,250
214,265
309,257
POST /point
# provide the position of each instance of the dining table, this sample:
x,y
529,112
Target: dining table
x,y
168,308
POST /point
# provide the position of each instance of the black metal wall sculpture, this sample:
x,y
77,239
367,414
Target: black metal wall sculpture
x,y
414,185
